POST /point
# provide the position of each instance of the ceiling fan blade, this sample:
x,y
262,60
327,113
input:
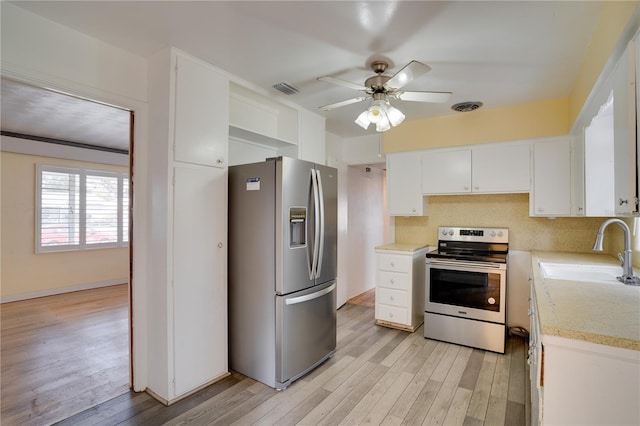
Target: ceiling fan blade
x,y
412,70
343,103
340,82
435,97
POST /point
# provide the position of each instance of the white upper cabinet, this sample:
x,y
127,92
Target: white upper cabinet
x,y
201,114
624,133
446,172
609,135
578,202
491,168
404,195
551,193
501,168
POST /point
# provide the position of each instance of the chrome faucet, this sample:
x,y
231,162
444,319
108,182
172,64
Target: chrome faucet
x,y
627,267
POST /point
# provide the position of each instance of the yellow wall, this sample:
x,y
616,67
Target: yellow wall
x,y
527,121
23,271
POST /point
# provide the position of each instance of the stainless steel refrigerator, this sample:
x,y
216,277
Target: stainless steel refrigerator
x,y
282,268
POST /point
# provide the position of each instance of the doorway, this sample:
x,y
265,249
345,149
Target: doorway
x,y
86,301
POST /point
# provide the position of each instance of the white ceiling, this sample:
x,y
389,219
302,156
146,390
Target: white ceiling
x,y
500,53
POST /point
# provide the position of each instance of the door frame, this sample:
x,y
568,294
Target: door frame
x,y
138,204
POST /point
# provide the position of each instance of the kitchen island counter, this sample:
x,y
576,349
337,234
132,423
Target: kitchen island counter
x,y
596,312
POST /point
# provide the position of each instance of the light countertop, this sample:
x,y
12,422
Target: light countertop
x,y
597,312
411,248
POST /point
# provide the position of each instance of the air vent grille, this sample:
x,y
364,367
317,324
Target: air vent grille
x,y
285,88
466,106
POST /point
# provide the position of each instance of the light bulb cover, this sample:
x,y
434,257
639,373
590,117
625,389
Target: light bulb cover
x,y
375,112
363,120
383,124
395,115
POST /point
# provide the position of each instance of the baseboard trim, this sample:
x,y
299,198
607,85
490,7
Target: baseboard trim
x,y
61,290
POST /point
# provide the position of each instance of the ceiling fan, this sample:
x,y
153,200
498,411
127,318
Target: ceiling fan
x,y
380,89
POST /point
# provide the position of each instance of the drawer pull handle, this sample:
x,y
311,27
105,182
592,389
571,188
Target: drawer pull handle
x,y
391,315
392,282
391,298
393,264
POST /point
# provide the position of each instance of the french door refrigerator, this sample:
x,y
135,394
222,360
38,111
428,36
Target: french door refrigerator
x,y
282,268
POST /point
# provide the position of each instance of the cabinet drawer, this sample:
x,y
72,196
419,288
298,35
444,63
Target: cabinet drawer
x,y
390,262
388,296
395,280
391,313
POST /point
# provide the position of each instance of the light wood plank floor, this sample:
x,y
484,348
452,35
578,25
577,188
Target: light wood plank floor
x,y
378,376
368,298
63,354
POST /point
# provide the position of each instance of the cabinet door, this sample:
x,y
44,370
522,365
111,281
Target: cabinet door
x,y
404,197
551,178
201,114
624,133
503,168
446,172
199,276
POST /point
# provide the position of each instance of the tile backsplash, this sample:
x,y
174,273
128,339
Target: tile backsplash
x,y
574,234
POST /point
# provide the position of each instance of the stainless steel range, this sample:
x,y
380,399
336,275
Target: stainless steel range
x,y
466,285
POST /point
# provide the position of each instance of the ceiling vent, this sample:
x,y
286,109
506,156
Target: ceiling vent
x,y
285,88
466,106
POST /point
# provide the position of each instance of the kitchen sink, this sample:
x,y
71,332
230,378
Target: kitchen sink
x,y
578,272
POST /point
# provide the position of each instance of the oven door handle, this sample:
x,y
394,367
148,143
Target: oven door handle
x,y
463,264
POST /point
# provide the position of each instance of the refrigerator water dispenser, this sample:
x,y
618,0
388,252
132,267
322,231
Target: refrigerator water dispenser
x,y
297,226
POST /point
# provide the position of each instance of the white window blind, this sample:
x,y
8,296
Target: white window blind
x,y
79,209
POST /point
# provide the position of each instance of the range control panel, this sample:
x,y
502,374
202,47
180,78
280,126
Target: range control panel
x,y
484,235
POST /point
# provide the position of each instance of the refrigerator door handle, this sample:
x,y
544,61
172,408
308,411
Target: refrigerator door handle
x,y
307,297
321,236
316,225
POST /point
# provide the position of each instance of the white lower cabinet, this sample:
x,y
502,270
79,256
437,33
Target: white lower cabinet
x,y
400,286
575,382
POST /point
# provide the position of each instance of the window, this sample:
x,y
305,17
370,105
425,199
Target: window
x,y
81,209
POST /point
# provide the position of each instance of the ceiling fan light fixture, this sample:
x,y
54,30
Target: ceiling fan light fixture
x,y
363,120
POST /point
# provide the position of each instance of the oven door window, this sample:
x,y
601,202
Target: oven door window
x,y
479,290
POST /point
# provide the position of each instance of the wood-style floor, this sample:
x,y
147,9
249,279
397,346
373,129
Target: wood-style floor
x,y
62,354
377,376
